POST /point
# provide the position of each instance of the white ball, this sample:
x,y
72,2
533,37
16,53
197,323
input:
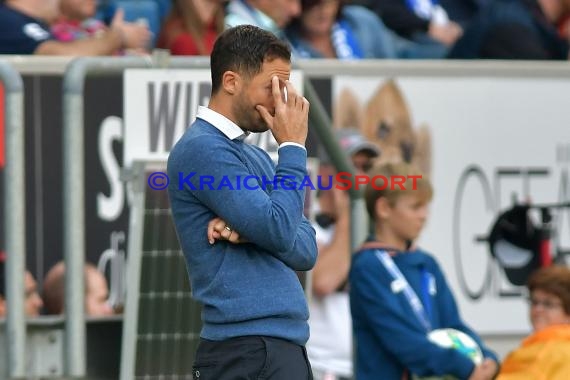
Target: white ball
x,y
452,338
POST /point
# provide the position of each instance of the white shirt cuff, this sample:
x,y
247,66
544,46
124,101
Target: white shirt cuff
x,y
291,143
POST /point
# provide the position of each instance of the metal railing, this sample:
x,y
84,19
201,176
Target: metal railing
x,y
74,186
15,222
322,124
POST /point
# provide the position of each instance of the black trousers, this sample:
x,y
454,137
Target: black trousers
x,y
251,358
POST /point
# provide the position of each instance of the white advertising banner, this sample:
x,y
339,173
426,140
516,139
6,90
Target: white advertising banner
x,y
484,142
160,104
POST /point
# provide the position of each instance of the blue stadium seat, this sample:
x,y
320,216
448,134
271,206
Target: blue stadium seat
x,y
164,6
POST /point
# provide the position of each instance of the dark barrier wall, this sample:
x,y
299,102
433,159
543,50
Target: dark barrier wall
x,y
43,123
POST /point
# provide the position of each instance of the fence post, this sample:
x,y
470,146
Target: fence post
x,y
15,222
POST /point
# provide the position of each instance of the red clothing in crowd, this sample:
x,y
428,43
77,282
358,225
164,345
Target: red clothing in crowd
x,y
180,42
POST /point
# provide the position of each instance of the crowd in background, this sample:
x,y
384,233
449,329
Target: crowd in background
x,y
341,29
50,299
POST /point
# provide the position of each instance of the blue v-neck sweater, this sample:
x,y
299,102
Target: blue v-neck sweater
x,y
251,288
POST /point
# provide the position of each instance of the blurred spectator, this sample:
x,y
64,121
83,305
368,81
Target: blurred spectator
x,y
329,29
25,29
424,21
564,27
192,27
271,15
463,11
330,345
398,292
96,291
460,11
545,353
515,29
32,300
77,22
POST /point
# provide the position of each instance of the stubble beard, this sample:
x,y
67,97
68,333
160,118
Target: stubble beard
x,y
249,119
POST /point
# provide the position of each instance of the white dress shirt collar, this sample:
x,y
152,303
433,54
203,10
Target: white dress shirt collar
x,y
222,123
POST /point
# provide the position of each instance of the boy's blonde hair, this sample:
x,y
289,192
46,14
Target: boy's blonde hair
x,y
420,187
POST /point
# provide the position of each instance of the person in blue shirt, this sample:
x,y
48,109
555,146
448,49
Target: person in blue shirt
x,y
25,26
243,234
25,29
271,15
334,29
515,29
399,293
329,29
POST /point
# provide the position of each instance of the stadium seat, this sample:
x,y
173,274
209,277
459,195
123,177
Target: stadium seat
x,y
164,6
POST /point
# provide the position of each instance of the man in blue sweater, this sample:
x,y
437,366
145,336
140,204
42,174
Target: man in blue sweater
x,y
241,228
398,293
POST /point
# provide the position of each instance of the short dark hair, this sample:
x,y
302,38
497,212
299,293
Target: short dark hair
x,y
243,49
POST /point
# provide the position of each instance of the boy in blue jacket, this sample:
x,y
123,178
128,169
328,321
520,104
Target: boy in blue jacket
x,y
399,293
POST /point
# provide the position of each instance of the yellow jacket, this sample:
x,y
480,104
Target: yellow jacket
x,y
544,355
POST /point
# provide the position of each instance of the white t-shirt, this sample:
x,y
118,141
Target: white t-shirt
x,y
330,345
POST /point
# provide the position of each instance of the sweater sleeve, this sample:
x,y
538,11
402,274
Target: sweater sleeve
x,y
219,178
450,313
394,324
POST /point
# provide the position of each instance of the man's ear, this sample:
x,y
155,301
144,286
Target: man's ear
x,y
382,208
231,82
